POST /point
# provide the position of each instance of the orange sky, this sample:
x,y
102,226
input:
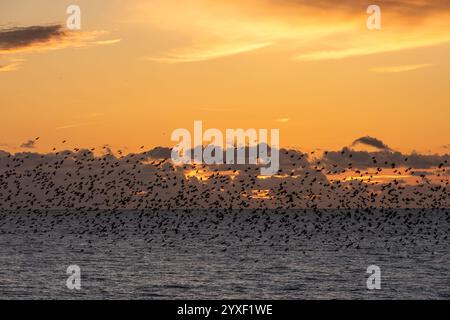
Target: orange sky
x,y
138,69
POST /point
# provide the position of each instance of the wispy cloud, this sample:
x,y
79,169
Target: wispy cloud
x,y
70,126
207,53
106,42
222,109
10,66
76,125
311,30
404,68
83,120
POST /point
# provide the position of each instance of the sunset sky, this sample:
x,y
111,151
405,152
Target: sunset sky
x,y
137,70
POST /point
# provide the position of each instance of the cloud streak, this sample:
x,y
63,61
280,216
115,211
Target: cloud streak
x,y
312,30
397,69
10,67
207,53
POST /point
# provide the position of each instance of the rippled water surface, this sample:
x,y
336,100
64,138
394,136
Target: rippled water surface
x,y
229,255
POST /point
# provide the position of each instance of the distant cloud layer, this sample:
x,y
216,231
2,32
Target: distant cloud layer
x,y
79,178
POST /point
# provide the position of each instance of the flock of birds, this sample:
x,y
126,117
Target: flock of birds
x,y
186,231
78,195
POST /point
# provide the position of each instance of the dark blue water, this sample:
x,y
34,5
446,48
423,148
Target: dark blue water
x,y
226,255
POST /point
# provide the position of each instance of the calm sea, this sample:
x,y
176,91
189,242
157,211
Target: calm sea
x,y
297,254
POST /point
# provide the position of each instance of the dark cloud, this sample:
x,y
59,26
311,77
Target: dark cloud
x,y
23,37
30,144
382,159
372,142
160,153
